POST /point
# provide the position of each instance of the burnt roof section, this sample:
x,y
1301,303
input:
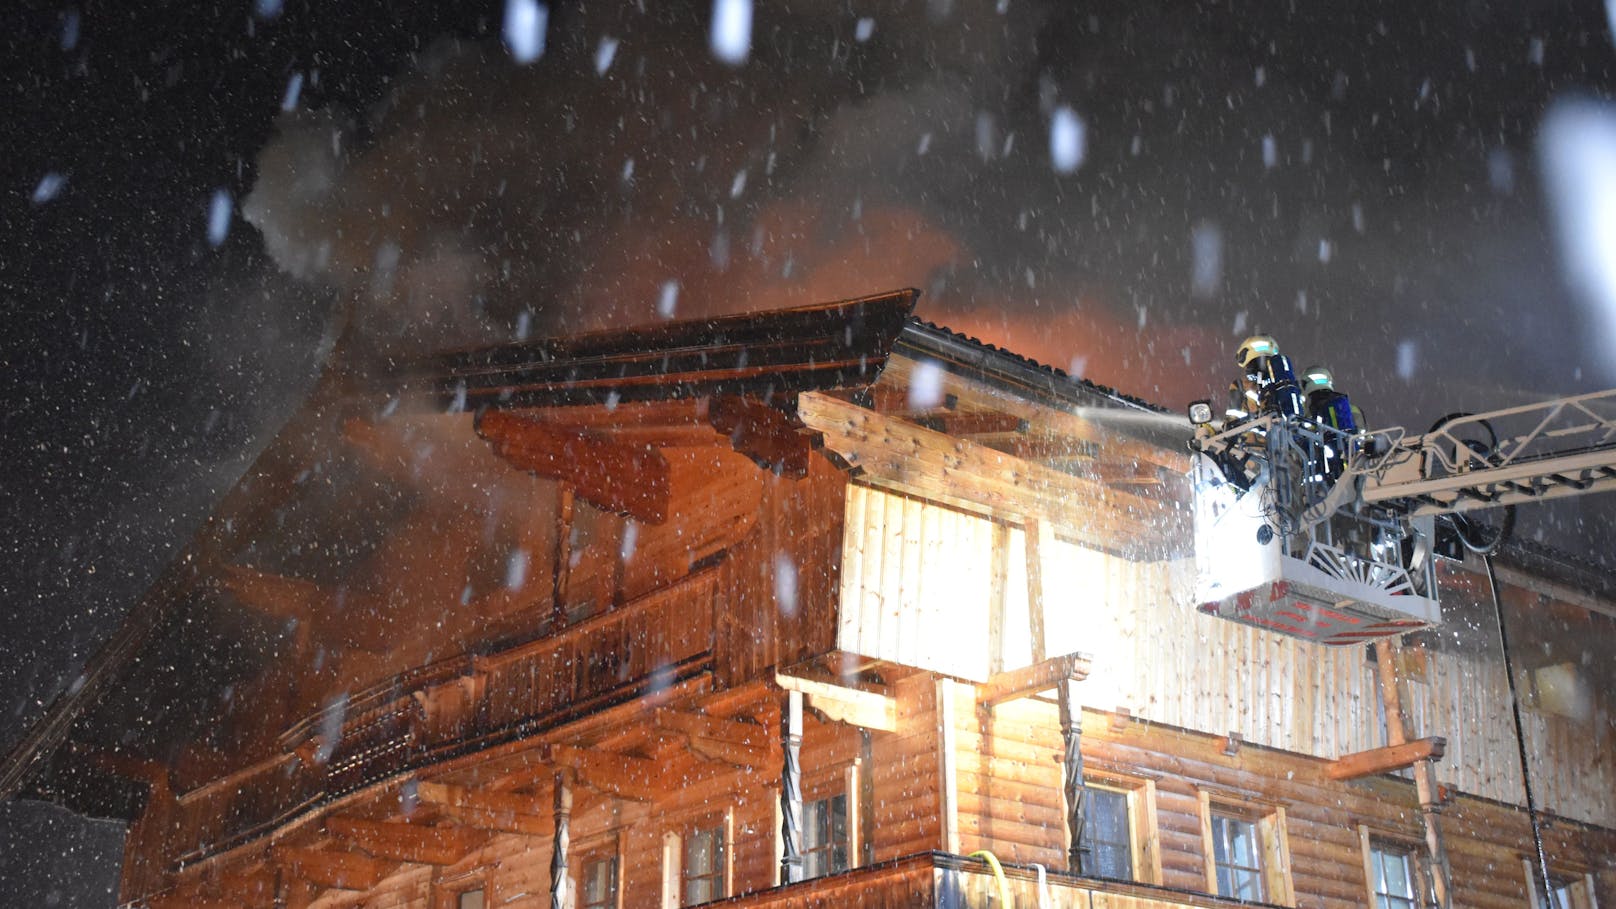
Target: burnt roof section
x,y
1009,370
825,346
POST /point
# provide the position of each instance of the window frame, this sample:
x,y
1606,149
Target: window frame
x,y
1372,839
607,848
830,846
446,893
838,778
1144,838
673,856
1273,842
1581,882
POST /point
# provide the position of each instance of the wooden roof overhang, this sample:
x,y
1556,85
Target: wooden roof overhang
x,y
729,373
959,422
755,355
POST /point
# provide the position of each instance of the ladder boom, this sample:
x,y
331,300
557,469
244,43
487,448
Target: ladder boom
x,y
1568,447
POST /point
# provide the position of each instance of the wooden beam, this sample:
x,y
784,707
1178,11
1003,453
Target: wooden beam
x,y
619,478
1029,680
1040,543
561,562
774,439
898,455
496,811
728,741
336,870
403,842
625,776
970,423
1386,759
866,709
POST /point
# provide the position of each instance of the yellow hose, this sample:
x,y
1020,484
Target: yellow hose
x,y
998,875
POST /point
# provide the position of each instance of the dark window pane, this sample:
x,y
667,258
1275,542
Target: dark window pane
x,y
599,884
824,836
703,869
1107,835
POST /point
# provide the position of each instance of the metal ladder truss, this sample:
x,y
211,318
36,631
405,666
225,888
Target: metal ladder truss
x,y
1559,448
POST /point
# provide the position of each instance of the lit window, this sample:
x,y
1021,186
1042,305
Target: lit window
x,y
1107,834
1393,876
598,885
824,836
1237,857
702,866
469,899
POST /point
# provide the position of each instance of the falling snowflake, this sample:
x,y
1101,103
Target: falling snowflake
x,y
1067,140
731,35
525,25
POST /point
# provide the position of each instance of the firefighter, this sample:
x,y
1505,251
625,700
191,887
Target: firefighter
x,y
1269,381
1331,408
1325,404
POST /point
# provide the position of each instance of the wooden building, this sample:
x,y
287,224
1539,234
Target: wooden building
x,y
807,608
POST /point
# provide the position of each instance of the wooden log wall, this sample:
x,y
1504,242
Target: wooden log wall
x,y
923,585
1015,811
1007,795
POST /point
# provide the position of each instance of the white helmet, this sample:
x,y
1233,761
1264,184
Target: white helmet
x,y
1317,378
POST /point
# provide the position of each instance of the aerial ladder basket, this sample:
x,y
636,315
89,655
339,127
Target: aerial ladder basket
x,y
1327,536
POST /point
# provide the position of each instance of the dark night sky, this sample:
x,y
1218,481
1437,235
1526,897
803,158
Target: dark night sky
x,y
1365,173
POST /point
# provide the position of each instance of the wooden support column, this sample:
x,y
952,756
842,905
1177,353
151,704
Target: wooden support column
x,y
791,789
1040,542
998,585
565,504
948,763
560,898
866,797
1071,723
1425,786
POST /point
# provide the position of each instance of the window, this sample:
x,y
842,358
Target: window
x,y
1119,827
1567,891
1393,876
462,892
825,839
597,883
701,866
1107,834
696,860
1245,851
1237,855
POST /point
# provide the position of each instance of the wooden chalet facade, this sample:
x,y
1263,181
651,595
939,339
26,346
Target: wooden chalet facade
x,y
807,608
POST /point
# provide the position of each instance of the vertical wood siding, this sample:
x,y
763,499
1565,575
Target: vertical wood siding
x,y
916,589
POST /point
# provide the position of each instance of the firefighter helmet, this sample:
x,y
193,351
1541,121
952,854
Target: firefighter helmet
x,y
1255,347
1317,378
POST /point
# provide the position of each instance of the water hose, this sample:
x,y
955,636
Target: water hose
x,y
998,875
1520,731
1043,886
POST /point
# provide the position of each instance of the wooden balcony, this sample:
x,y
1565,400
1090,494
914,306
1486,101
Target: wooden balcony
x,y
463,705
939,880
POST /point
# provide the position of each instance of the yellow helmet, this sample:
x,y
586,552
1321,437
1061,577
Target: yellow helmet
x,y
1254,347
1317,378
